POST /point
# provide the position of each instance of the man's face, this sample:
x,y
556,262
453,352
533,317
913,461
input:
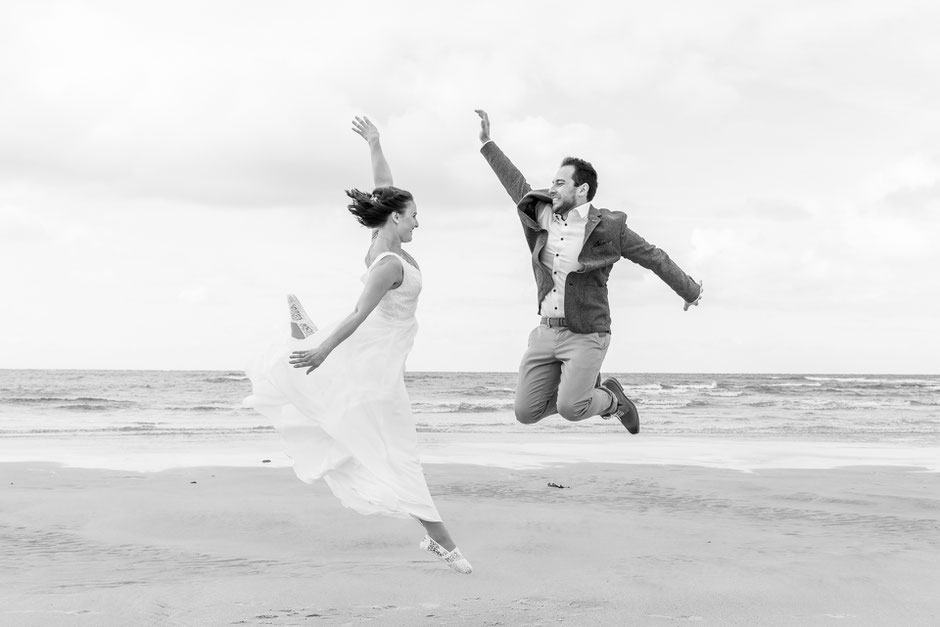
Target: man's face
x,y
564,193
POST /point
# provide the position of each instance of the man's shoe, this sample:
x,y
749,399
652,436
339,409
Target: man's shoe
x,y
626,411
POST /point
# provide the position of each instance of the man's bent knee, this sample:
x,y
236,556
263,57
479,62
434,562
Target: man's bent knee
x,y
526,416
574,411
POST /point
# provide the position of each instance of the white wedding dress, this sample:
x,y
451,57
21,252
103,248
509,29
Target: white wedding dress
x,y
350,421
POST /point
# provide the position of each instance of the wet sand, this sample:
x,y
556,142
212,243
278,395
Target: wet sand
x,y
622,544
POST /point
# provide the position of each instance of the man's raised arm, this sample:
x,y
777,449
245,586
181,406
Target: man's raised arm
x,y
507,173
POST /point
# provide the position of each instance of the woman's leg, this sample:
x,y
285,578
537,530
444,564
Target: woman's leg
x,y
440,544
439,534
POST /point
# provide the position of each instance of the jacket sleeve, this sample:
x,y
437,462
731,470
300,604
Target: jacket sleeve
x,y
507,173
639,251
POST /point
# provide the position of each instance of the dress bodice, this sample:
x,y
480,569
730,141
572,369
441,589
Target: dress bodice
x,y
402,302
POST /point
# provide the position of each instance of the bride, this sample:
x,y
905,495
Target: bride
x,y
337,395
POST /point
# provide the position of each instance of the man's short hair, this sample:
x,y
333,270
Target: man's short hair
x,y
584,172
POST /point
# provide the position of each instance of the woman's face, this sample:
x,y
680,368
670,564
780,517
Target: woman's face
x,y
408,222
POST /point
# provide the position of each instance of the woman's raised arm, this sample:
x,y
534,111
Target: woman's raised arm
x,y
381,172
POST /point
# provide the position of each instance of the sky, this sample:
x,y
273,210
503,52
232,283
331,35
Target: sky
x,y
170,171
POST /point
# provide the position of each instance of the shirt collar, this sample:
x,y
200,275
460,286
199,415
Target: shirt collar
x,y
581,210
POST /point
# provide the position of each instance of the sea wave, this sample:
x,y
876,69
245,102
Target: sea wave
x,y
665,403
61,400
764,403
92,407
695,386
788,384
881,381
456,407
68,404
149,429
489,391
228,378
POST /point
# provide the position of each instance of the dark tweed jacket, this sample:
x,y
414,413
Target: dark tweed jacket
x,y
607,239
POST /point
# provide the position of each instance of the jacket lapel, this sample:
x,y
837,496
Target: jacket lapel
x,y
593,219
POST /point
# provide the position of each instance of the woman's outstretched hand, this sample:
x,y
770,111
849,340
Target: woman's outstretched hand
x,y
365,128
311,359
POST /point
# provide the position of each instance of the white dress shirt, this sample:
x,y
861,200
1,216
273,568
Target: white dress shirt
x,y
560,254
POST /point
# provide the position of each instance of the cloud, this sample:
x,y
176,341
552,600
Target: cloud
x,y
908,188
194,295
921,199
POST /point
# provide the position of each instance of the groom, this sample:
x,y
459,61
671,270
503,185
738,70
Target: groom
x,y
574,245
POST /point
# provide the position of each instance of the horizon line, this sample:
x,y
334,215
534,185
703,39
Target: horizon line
x,y
507,372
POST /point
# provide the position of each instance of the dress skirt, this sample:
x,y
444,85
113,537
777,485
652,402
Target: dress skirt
x,y
349,422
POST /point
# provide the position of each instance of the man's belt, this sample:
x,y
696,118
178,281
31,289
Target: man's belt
x,y
554,322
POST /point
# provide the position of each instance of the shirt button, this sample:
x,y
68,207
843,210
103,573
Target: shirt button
x,y
563,239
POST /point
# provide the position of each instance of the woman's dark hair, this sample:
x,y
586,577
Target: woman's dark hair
x,y
584,172
372,210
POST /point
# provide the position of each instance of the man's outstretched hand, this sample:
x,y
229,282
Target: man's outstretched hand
x,y
484,125
694,303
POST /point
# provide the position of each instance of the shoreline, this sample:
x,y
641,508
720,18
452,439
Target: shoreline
x,y
512,450
638,544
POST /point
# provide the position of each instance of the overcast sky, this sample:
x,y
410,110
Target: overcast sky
x,y
170,170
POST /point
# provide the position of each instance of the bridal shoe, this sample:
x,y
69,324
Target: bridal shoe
x,y
299,317
454,559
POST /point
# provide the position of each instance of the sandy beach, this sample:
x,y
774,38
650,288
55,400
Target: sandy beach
x,y
637,544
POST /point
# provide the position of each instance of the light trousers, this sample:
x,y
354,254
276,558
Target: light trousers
x,y
558,375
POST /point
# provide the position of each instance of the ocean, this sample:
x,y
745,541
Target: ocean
x,y
158,419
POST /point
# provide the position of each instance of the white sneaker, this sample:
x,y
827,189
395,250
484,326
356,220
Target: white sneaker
x,y
454,559
299,317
